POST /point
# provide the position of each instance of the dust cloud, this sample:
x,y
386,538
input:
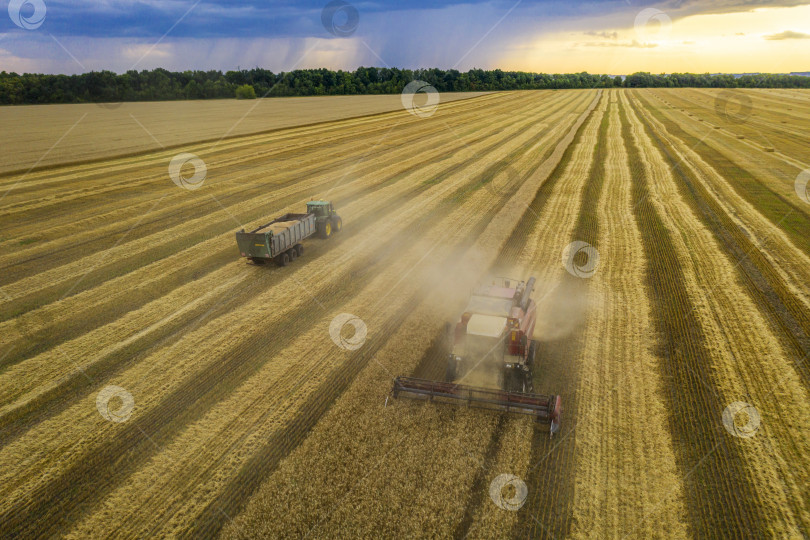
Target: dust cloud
x,y
562,306
561,309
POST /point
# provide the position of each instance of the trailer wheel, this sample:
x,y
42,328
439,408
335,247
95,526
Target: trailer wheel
x,y
293,254
337,224
283,259
299,248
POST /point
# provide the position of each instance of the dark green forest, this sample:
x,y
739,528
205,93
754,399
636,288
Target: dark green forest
x,y
160,84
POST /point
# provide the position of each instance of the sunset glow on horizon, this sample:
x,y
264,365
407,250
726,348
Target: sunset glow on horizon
x,y
772,40
551,36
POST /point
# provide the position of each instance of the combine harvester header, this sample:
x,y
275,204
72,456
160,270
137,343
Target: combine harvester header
x,y
492,338
545,409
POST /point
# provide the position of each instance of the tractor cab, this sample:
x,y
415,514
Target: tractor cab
x,y
321,209
327,220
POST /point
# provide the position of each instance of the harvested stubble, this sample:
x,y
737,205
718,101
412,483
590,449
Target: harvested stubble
x,y
49,362
98,132
551,223
513,456
745,356
363,498
765,121
516,132
741,185
227,407
625,460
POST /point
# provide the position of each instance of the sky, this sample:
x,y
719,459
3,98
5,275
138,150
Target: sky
x,y
599,36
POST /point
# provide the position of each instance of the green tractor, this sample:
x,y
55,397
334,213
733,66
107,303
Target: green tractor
x,y
326,219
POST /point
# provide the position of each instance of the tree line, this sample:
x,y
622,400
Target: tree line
x,y
161,85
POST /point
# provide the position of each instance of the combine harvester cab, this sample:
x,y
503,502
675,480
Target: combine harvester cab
x,y
492,340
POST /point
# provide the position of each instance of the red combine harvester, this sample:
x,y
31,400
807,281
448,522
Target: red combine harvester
x,y
491,343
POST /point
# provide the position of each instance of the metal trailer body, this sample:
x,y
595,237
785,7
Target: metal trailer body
x,y
264,244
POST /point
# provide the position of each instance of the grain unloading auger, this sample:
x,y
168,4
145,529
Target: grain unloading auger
x,y
491,341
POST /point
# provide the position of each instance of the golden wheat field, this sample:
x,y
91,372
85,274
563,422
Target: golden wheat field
x,y
155,384
47,135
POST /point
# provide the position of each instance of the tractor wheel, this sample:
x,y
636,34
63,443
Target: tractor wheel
x,y
299,248
293,253
326,229
283,259
337,224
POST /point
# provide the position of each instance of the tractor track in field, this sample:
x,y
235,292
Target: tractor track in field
x,y
174,407
420,363
784,211
60,331
284,141
624,461
147,227
12,426
221,257
764,285
432,364
183,210
707,460
776,130
480,490
548,512
234,497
